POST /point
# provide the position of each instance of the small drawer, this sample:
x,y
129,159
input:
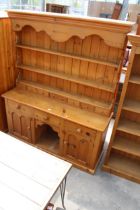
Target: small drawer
x,y
47,118
73,127
20,108
79,130
39,115
53,120
89,133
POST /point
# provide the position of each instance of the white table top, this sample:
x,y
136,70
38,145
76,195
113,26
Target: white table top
x,y
29,177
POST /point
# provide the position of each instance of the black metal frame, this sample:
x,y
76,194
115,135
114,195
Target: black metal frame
x,y
62,191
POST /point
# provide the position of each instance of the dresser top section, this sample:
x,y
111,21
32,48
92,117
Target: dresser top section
x,y
110,24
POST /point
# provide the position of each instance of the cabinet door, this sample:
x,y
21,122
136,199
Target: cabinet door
x,y
15,124
84,146
25,123
70,146
77,148
20,126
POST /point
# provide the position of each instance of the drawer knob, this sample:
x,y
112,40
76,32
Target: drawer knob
x,y
46,118
82,141
78,130
17,26
18,106
87,133
65,143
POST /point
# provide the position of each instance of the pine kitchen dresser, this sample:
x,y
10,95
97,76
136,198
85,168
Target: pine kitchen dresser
x,y
67,71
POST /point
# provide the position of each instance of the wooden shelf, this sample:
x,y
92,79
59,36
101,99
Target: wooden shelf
x,y
123,155
123,166
128,126
82,99
132,106
125,145
135,79
89,83
67,55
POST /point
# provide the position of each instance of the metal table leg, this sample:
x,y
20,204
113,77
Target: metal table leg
x,y
62,191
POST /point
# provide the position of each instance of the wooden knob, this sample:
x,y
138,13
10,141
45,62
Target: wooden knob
x,y
18,106
64,111
17,26
82,141
65,142
73,146
78,130
46,118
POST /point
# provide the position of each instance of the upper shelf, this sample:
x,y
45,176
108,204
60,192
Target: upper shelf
x,y
98,61
70,78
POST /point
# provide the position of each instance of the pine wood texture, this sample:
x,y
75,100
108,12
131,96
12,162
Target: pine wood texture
x,y
66,26
68,71
123,155
7,77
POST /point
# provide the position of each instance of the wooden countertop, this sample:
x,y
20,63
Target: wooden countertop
x,y
37,101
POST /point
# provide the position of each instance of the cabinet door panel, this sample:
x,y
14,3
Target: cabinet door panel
x,y
16,124
70,146
83,151
25,128
78,148
19,126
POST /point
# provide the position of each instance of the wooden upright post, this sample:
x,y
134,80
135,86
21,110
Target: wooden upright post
x,y
7,77
138,22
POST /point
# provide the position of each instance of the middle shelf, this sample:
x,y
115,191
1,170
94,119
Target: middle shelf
x,y
95,84
129,127
131,105
96,105
135,79
126,145
89,59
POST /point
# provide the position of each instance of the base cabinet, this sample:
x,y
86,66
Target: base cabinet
x,y
68,140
